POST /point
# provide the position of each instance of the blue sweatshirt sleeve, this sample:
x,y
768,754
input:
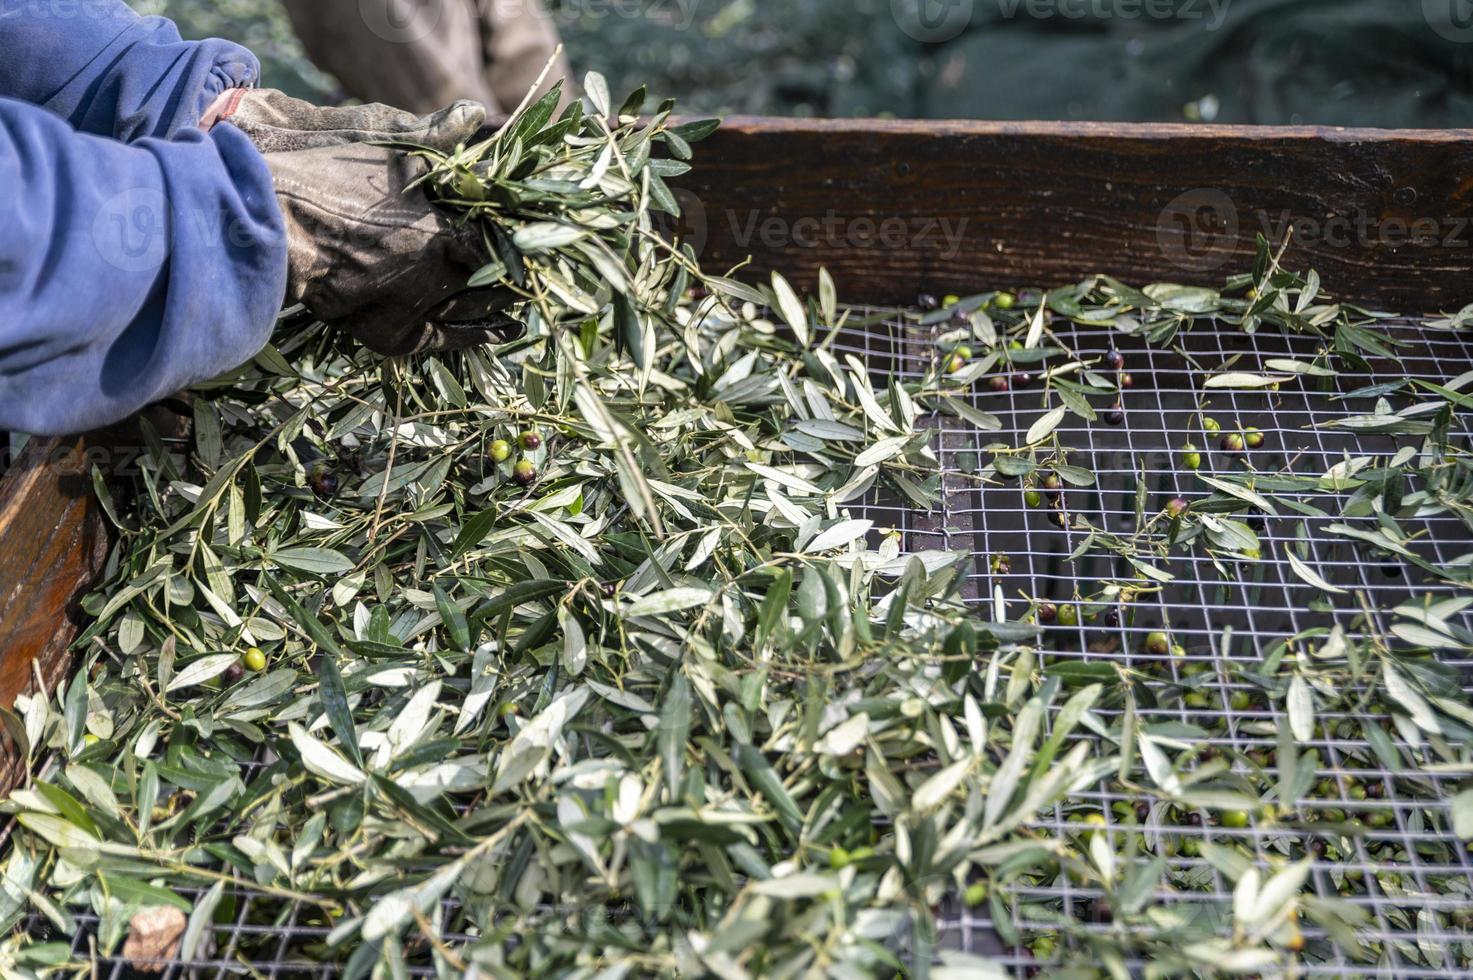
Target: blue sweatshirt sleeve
x,y
110,72
127,272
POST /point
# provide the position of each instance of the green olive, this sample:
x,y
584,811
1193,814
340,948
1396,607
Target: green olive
x,y
1235,819
255,659
1191,457
501,450
1068,614
1004,301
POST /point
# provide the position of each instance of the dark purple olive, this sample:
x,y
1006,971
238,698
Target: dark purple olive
x,y
998,384
1100,912
1177,506
1232,443
1022,379
1127,381
234,673
1115,416
324,481
1115,359
1194,819
1142,811
525,472
1048,613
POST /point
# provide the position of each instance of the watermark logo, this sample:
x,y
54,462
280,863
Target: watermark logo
x,y
691,228
933,21
1198,230
1451,19
131,230
402,21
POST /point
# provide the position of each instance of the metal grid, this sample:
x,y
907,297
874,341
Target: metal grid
x,y
1405,869
1416,883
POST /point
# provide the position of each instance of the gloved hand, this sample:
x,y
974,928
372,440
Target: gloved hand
x,y
278,123
387,266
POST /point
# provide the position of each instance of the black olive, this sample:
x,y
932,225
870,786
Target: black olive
x,y
928,302
323,481
1022,379
1115,416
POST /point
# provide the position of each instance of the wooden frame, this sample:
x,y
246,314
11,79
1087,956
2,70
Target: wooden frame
x,y
53,544
895,208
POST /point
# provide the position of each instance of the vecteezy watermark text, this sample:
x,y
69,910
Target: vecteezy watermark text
x,y
936,21
941,235
1202,229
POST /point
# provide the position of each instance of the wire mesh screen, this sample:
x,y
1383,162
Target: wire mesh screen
x,y
1380,835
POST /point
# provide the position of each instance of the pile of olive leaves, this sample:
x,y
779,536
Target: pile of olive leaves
x,y
671,710
625,715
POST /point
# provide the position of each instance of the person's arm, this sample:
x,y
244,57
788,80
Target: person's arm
x,y
109,72
127,272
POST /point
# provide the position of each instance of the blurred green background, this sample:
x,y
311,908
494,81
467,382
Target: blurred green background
x,y
1390,63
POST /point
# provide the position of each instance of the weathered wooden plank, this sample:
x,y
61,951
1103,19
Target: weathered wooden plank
x,y
897,207
53,544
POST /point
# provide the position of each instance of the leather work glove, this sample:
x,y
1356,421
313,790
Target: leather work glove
x,y
278,123
387,266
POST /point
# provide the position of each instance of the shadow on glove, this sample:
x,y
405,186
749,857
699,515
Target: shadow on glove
x,y
374,258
